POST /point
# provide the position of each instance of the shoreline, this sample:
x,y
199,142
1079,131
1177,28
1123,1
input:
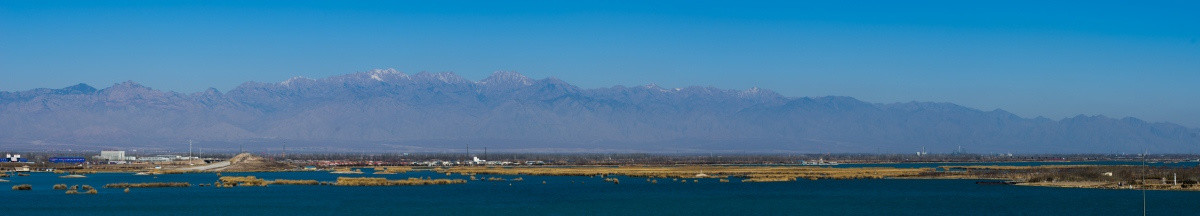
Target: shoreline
x,y
1059,174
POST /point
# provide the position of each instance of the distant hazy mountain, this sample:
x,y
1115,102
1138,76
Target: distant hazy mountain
x,y
385,110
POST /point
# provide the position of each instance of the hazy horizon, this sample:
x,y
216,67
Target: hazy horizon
x,y
388,110
535,78
1031,58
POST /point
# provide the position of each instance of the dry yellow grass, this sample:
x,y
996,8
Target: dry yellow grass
x,y
148,185
22,187
242,181
769,179
87,189
997,167
391,169
366,181
1072,184
753,174
227,181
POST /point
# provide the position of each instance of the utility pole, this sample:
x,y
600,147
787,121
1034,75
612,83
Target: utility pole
x,y
191,158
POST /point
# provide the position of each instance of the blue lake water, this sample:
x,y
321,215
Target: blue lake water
x,y
574,195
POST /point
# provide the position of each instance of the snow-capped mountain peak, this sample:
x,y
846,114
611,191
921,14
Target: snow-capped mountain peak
x,y
506,78
442,77
294,80
386,75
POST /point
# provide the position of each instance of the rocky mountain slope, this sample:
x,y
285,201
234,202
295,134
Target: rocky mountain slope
x,y
386,110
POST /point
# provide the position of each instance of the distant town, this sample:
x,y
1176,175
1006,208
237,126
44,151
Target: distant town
x,y
118,158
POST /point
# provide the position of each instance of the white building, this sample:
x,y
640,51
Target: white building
x,y
112,155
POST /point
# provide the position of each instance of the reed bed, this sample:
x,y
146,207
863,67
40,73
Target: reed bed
x,y
769,179
22,187
754,174
60,187
367,181
90,191
241,181
294,182
998,167
385,170
86,188
148,185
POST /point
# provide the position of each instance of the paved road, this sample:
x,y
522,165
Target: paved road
x,y
209,166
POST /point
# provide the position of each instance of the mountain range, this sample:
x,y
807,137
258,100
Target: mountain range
x,y
390,111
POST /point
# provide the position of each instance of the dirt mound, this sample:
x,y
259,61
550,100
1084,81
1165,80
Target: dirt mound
x,y
246,158
249,162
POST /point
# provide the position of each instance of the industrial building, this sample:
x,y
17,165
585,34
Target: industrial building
x,y
112,155
14,158
68,160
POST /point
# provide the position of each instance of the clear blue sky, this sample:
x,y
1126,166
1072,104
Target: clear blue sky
x,y
1119,59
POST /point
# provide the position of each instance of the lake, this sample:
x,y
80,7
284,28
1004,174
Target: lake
x,y
575,195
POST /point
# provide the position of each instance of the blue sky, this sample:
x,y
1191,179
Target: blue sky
x,y
1033,58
